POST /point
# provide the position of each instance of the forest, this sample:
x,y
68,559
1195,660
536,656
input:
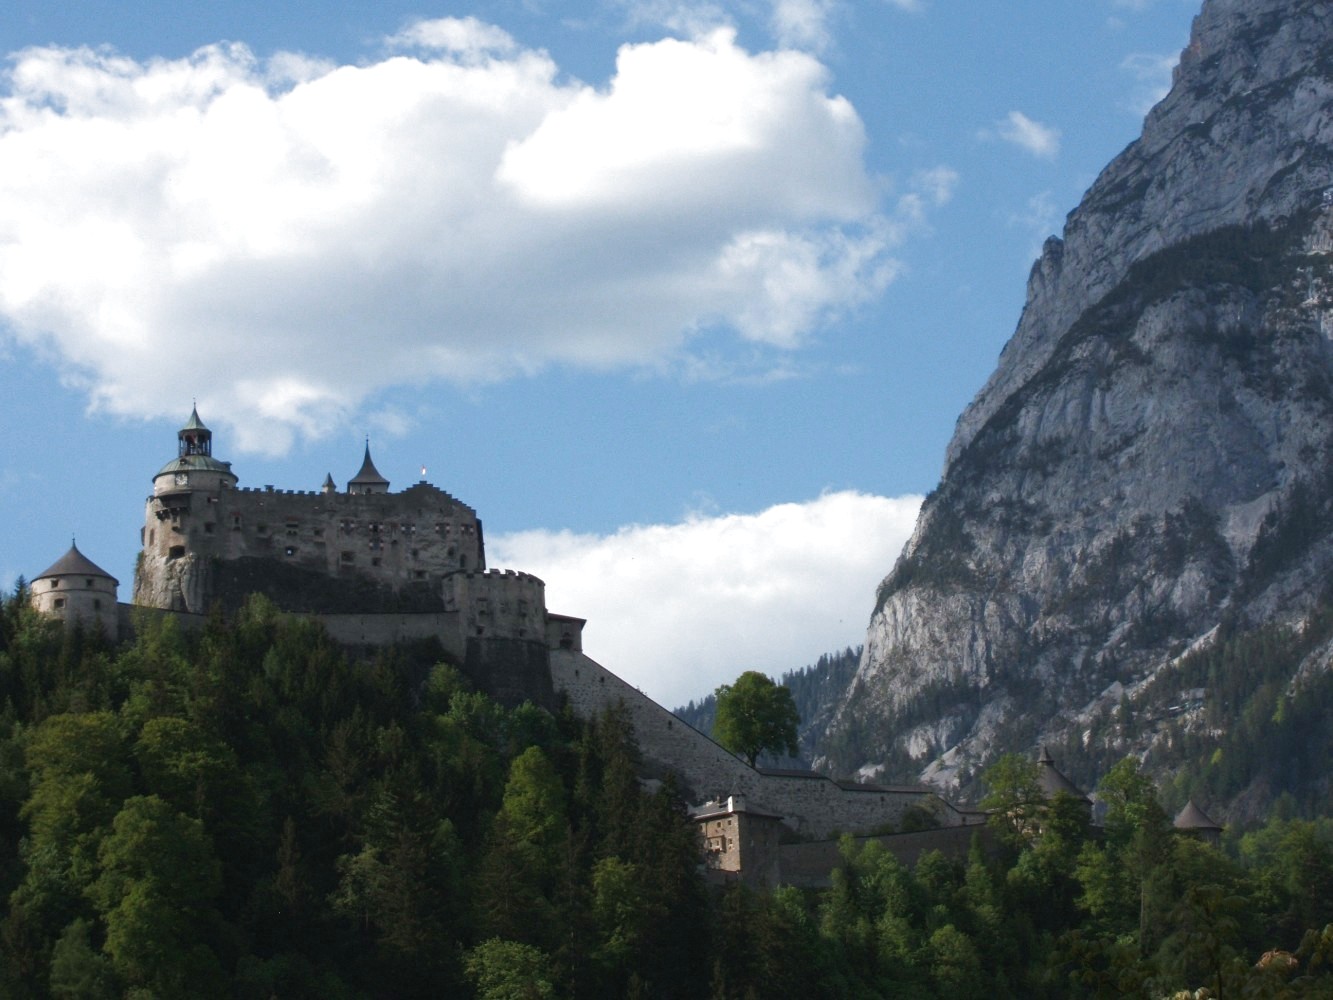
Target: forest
x,y
247,811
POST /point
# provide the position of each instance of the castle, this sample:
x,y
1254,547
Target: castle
x,y
376,567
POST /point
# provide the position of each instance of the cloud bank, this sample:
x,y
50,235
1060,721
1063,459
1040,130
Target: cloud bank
x,y
677,609
283,238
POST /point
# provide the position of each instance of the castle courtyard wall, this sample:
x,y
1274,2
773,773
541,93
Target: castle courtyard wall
x,y
811,804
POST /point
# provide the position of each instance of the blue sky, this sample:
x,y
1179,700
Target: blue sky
x,y
683,297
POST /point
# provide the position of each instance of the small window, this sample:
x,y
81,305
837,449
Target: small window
x,y
55,584
261,529
319,532
97,604
375,561
420,574
60,602
176,552
348,557
88,582
208,529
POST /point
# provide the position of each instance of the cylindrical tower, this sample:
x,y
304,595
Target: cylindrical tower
x,y
74,589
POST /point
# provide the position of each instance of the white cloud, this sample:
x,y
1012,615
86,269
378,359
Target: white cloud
x,y
802,24
1038,139
677,609
1152,74
283,238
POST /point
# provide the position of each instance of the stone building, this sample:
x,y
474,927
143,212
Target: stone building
x,y
205,540
75,588
377,567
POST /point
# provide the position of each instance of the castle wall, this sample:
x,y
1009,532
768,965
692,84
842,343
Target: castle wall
x,y
810,804
498,603
416,537
810,865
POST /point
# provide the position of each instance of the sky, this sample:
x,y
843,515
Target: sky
x,y
683,297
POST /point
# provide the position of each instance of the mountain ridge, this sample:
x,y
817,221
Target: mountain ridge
x,y
1148,464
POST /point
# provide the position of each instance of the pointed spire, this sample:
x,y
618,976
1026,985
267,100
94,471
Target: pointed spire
x,y
329,485
368,480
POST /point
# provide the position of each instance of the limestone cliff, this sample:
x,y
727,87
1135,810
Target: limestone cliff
x,y
1152,455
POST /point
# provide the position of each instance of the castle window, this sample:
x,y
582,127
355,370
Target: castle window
x,y
319,532
208,529
55,584
375,561
415,553
290,550
236,522
60,602
176,552
348,557
152,535
292,526
87,582
261,529
420,574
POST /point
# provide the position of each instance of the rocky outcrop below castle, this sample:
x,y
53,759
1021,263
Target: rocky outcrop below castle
x,y
1153,456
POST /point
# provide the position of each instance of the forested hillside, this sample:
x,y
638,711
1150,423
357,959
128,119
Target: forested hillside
x,y
246,812
815,689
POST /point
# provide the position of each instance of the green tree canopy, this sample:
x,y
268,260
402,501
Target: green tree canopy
x,y
755,715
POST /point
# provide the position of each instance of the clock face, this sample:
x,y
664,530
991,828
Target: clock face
x,y
182,478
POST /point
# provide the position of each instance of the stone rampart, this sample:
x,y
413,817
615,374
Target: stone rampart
x,y
811,804
811,865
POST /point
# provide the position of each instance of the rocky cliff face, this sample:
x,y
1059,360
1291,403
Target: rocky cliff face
x,y
1152,456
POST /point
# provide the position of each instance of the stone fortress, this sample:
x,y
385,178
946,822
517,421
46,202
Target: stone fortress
x,y
376,567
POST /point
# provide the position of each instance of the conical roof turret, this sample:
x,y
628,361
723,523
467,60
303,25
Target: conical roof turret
x,y
1053,781
368,480
75,563
1193,818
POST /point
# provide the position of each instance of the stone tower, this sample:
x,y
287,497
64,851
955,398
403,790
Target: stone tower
x,y
76,589
181,523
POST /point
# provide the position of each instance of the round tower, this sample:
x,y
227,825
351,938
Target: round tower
x,y
194,468
74,589
182,523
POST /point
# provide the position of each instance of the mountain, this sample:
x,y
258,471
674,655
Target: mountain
x,y
1149,471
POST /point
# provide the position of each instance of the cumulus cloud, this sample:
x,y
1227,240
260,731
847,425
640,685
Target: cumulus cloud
x,y
283,237
677,609
1027,134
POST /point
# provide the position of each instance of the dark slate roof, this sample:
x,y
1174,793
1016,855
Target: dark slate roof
x,y
368,474
1052,781
329,484
75,563
1194,818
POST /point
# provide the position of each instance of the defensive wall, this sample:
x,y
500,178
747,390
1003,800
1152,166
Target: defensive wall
x,y
811,804
810,865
